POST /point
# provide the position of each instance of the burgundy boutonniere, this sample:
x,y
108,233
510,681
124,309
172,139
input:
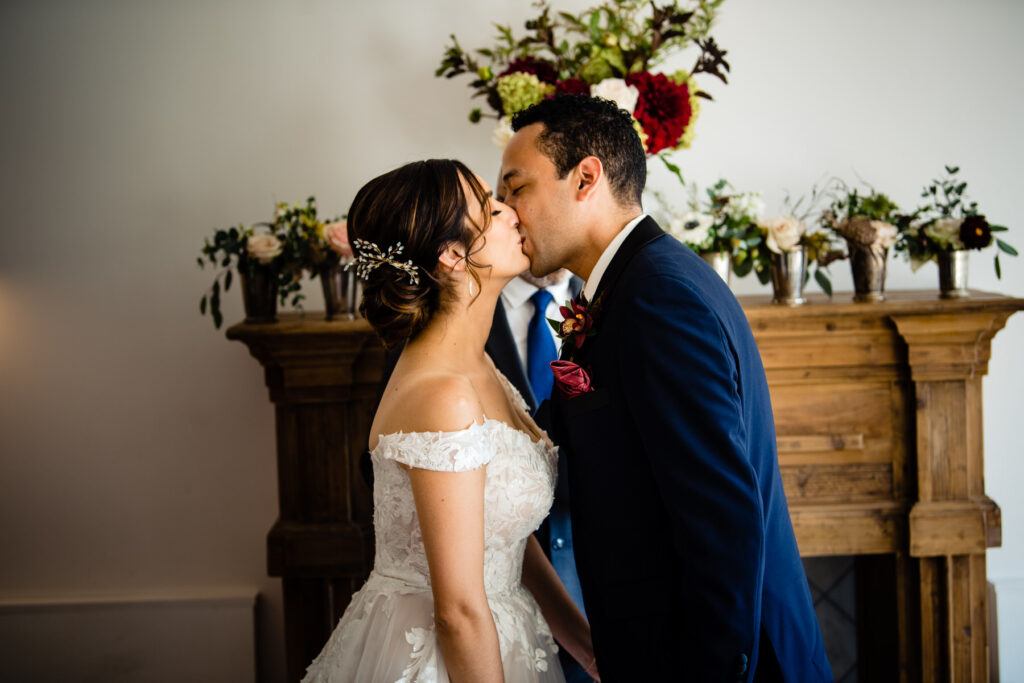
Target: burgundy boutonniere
x,y
576,325
570,378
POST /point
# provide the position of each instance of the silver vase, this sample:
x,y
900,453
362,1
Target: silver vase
x,y
721,262
952,274
341,291
789,270
868,267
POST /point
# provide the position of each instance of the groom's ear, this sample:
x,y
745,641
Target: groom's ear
x,y
587,177
453,257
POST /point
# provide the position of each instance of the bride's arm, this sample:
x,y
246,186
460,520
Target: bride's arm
x,y
450,506
567,622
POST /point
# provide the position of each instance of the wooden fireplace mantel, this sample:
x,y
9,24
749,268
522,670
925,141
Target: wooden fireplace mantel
x,y
878,417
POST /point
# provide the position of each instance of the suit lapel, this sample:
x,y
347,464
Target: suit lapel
x,y
646,231
501,347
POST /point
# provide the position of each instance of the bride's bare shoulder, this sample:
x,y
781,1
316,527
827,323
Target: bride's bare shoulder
x,y
428,402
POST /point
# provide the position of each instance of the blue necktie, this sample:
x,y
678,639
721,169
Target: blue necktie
x,y
540,347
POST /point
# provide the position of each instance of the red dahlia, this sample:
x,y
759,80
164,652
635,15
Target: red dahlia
x,y
572,86
663,109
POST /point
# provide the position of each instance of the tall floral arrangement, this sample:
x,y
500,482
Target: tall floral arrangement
x,y
608,51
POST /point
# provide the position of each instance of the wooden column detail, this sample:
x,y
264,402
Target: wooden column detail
x,y
324,381
953,521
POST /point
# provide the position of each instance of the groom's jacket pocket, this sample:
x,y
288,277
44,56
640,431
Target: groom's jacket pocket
x,y
590,401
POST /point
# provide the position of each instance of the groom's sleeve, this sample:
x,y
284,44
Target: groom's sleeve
x,y
680,377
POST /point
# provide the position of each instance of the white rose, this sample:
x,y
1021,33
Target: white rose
x,y
336,236
693,228
616,90
263,248
784,233
503,132
945,232
885,234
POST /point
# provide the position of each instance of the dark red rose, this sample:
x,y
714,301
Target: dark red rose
x,y
544,71
975,232
571,379
663,109
576,322
572,86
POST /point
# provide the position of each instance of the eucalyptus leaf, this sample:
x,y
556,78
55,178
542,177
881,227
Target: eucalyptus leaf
x,y
227,280
823,282
674,169
999,270
1006,247
202,305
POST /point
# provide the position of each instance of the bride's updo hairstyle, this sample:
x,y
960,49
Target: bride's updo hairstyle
x,y
423,207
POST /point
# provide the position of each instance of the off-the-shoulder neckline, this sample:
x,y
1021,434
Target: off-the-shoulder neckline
x,y
474,425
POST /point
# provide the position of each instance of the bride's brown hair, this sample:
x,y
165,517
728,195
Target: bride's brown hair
x,y
423,207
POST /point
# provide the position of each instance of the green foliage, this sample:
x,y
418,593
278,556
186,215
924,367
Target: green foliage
x,y
613,39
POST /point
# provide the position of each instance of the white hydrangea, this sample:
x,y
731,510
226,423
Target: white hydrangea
x,y
945,232
745,206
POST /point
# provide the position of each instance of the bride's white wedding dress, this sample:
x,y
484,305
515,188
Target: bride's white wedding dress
x,y
387,633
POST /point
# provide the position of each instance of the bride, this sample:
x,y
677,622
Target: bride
x,y
460,589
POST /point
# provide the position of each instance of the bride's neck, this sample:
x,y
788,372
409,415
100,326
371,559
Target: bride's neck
x,y
459,332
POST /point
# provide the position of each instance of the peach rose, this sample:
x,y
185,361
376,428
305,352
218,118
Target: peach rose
x,y
336,236
784,233
263,248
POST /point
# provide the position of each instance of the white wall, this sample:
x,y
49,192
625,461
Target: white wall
x,y
136,443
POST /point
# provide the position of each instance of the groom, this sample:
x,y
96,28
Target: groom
x,y
683,541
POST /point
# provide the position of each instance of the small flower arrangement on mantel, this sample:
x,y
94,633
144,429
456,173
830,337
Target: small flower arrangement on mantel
x,y
324,251
945,228
722,229
267,262
270,258
606,51
785,253
868,223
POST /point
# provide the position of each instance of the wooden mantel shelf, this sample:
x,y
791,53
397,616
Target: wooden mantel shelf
x,y
878,418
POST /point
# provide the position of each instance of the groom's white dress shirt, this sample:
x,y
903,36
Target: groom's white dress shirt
x,y
606,257
515,297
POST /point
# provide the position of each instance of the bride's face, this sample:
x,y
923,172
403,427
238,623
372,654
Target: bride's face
x,y
501,244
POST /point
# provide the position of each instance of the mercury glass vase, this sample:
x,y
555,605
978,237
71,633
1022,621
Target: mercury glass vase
x,y
953,274
789,271
259,294
721,262
341,290
868,267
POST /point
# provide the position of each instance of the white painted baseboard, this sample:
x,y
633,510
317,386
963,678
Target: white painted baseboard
x,y
202,637
1010,600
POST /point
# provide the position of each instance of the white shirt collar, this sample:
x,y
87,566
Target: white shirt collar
x,y
518,291
590,287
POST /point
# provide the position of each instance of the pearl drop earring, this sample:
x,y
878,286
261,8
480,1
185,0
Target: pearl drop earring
x,y
471,286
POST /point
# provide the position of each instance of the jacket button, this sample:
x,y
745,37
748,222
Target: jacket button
x,y
741,666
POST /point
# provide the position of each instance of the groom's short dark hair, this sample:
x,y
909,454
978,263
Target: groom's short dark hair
x,y
578,126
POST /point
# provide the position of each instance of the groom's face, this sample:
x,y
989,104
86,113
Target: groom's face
x,y
542,200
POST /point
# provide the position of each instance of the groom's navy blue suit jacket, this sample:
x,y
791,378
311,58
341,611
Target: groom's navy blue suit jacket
x,y
683,540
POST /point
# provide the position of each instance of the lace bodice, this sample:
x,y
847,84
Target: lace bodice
x,y
517,496
387,633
